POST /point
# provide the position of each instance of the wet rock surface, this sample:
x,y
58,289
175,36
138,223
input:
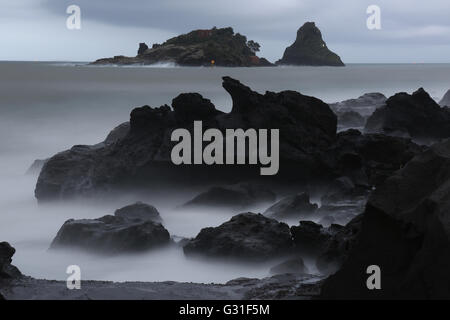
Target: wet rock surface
x,y
247,236
131,229
139,211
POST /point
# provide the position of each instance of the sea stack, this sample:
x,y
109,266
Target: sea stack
x,y
309,49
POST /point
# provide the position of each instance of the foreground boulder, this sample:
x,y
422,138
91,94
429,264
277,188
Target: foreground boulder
x,y
417,116
241,195
220,47
292,207
309,49
247,236
7,270
131,229
405,231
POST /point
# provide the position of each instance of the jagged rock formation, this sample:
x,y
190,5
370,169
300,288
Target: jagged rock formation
x,y
220,47
247,236
405,231
241,195
142,158
309,49
417,116
139,155
131,229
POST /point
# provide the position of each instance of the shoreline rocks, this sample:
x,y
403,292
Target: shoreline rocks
x,y
131,229
138,155
404,231
141,159
417,116
246,236
309,49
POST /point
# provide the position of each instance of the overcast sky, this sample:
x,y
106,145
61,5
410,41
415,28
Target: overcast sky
x,y
411,30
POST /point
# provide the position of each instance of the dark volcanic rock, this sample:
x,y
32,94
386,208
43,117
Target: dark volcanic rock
x,y
142,48
292,207
7,270
310,238
309,49
240,195
142,158
417,116
220,47
247,236
368,159
131,229
445,101
295,265
405,231
338,246
343,188
139,211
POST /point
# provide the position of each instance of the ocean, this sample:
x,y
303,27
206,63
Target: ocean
x,y
46,107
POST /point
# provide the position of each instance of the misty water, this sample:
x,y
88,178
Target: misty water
x,y
48,107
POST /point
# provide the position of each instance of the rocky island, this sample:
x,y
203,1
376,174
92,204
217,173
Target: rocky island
x,y
220,47
309,49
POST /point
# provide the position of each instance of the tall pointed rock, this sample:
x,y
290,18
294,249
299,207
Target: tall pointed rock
x,y
309,49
